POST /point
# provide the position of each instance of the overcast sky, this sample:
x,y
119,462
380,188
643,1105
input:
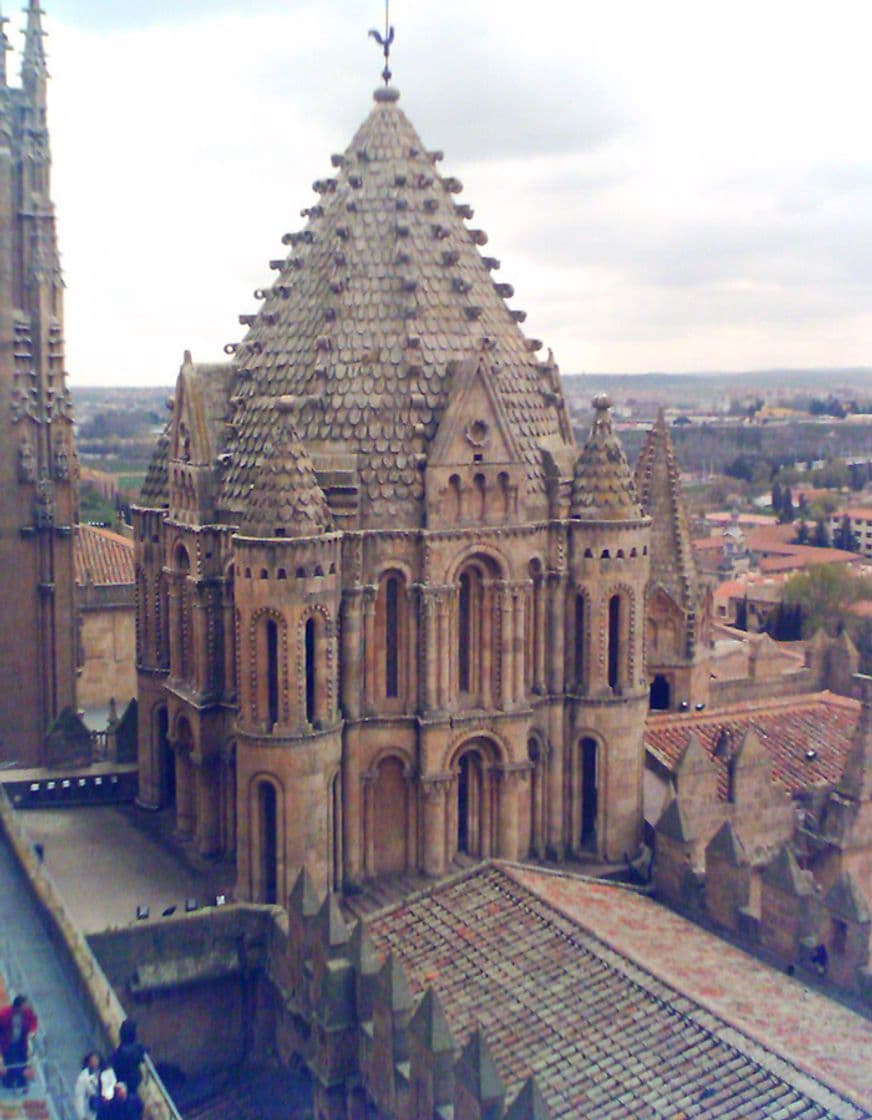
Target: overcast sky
x,y
670,185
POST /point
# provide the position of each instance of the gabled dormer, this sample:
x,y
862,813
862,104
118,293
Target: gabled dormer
x,y
475,471
196,439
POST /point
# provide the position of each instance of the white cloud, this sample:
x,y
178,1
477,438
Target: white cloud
x,y
673,186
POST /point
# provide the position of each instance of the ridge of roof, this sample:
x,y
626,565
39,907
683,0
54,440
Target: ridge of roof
x,y
749,707
381,292
602,486
102,558
658,484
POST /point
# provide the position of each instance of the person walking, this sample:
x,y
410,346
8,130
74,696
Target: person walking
x,y
18,1025
121,1107
126,1061
95,1086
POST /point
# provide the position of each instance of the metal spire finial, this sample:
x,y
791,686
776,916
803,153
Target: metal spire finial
x,y
385,42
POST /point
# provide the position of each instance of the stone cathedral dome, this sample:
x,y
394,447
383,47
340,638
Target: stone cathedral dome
x,y
381,295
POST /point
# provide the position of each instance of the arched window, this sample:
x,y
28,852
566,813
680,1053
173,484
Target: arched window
x,y
184,635
464,633
477,655
392,636
614,640
480,487
579,640
456,491
268,809
272,672
311,650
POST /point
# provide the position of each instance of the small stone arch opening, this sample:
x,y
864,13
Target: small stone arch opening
x,y
661,694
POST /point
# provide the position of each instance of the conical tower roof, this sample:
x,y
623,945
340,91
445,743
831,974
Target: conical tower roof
x,y
285,499
381,293
603,487
658,484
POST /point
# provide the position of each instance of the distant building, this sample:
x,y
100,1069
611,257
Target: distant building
x,y
857,520
107,618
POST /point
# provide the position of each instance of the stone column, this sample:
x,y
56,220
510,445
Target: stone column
x,y
350,668
175,606
487,636
409,663
538,623
208,806
433,791
184,793
200,627
229,622
555,632
429,649
443,651
367,785
351,806
507,832
507,668
519,642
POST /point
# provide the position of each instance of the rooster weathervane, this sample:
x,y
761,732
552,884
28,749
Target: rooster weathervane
x,y
385,42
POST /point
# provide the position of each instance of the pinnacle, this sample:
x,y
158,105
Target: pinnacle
x,y
603,486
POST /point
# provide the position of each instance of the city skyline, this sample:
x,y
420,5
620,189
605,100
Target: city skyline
x,y
665,190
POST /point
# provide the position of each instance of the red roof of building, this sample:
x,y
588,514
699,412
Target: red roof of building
x,y
605,1037
788,728
103,558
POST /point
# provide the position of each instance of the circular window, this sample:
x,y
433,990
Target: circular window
x,y
477,433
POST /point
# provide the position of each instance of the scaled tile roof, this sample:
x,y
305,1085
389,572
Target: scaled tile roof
x,y
381,292
603,486
788,729
604,1037
102,558
286,499
658,485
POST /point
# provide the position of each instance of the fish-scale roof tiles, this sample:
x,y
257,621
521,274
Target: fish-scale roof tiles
x,y
380,294
286,499
603,488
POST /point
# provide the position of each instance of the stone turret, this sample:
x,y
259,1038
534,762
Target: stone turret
x,y
675,622
605,671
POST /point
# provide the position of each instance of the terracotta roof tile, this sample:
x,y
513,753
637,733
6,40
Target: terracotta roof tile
x,y
604,1037
102,558
788,729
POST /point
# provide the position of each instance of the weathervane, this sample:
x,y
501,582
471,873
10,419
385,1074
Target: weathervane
x,y
385,41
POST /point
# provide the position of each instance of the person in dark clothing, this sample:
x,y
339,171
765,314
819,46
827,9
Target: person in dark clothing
x,y
128,1057
121,1107
126,1062
18,1025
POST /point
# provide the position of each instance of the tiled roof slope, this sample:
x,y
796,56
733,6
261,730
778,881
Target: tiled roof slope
x,y
286,498
658,485
102,558
380,294
788,729
604,1037
155,492
603,486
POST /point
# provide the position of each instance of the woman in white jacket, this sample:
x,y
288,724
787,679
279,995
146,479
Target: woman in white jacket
x,y
94,1083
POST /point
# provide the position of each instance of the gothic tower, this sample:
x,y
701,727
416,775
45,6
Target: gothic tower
x,y
677,606
37,463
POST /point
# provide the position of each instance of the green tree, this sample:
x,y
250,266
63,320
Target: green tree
x,y
823,593
820,539
802,532
777,496
786,513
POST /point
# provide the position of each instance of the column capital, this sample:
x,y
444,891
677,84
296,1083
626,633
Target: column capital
x,y
434,786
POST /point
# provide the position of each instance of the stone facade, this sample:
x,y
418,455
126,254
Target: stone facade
x,y
386,610
107,618
37,464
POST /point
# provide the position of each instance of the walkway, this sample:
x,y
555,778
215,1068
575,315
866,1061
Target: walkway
x,y
30,963
104,866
